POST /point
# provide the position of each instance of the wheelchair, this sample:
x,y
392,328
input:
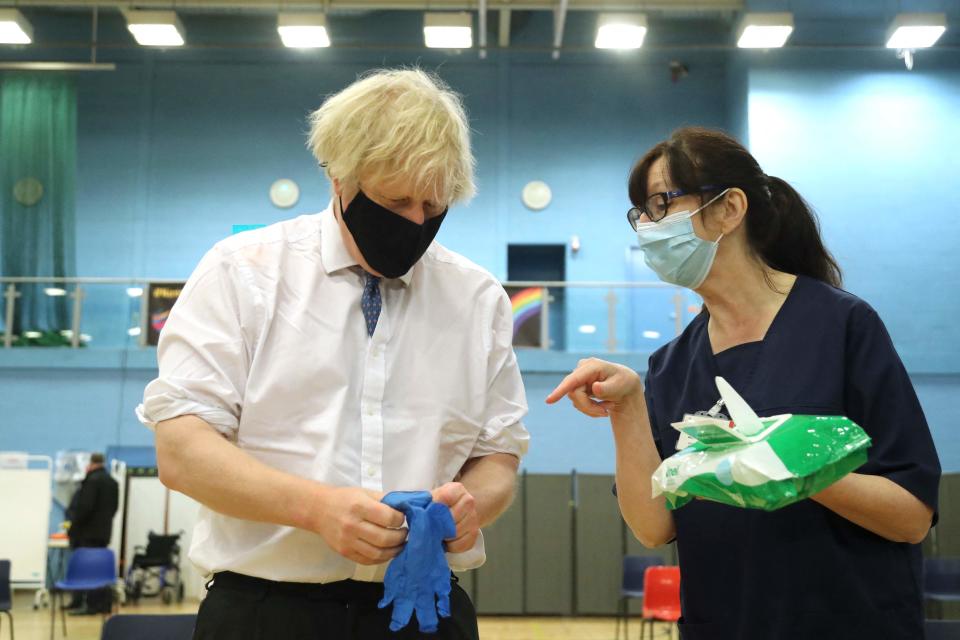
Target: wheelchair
x,y
155,570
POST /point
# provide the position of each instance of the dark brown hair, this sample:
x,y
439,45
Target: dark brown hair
x,y
782,229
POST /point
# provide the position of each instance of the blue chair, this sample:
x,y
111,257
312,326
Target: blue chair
x,y
942,629
89,568
631,586
141,627
6,599
941,580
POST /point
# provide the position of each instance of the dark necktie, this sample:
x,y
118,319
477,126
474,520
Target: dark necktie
x,y
370,303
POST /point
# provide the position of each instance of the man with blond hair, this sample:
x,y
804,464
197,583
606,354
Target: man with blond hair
x,y
312,366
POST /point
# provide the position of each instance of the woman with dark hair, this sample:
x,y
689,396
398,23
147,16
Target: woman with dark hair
x,y
845,563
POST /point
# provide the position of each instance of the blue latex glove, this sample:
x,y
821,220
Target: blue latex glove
x,y
419,577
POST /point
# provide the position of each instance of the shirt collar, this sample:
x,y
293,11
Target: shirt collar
x,y
334,254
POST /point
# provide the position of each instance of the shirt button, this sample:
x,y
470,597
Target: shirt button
x,y
371,471
370,411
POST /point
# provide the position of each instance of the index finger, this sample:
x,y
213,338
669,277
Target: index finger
x,y
579,377
380,514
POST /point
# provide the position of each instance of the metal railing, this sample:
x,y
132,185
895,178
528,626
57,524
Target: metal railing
x,y
611,299
10,295
75,288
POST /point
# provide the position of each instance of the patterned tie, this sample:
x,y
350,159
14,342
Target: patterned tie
x,y
370,302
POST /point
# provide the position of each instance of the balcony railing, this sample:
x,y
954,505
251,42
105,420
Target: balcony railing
x,y
115,312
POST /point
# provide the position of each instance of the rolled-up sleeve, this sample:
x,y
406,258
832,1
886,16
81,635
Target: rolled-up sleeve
x,y
880,397
506,403
205,349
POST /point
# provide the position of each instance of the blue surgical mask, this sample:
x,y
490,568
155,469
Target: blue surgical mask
x,y
675,252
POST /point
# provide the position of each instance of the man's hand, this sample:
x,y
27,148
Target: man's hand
x,y
358,526
463,508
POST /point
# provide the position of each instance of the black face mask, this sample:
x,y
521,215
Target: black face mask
x,y
389,243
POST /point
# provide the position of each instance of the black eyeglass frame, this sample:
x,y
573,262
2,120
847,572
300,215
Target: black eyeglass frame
x,y
634,213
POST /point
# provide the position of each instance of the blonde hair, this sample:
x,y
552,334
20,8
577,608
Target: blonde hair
x,y
396,123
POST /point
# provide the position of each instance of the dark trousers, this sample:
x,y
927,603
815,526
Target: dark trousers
x,y
239,607
97,600
100,600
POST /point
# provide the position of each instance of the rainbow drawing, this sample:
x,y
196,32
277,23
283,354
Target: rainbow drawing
x,y
159,320
526,303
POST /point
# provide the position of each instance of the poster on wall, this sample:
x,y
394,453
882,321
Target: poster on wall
x,y
528,315
159,300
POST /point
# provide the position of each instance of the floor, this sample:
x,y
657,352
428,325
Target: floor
x,y
35,625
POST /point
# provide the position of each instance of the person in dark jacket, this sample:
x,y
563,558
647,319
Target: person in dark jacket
x,y
91,514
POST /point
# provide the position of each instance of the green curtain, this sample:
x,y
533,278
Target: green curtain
x,y
38,143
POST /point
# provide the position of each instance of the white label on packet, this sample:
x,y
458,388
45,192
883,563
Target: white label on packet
x,y
684,441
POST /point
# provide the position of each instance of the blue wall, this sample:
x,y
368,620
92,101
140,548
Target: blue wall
x,y
90,406
192,138
876,153
176,147
172,154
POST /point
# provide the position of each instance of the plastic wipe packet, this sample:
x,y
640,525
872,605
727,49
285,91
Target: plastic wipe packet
x,y
758,463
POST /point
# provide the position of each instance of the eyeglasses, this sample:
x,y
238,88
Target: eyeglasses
x,y
656,205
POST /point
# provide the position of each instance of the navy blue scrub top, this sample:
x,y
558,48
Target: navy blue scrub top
x,y
801,572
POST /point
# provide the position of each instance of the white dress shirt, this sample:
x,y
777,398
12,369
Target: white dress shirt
x,y
267,343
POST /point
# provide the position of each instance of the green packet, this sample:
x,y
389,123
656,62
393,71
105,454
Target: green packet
x,y
758,463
